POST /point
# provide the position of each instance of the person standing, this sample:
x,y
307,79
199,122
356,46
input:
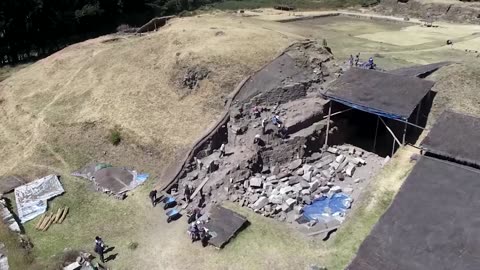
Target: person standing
x,y
100,248
222,150
153,197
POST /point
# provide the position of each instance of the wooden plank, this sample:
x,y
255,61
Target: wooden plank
x,y
45,221
58,215
199,187
63,215
40,221
324,231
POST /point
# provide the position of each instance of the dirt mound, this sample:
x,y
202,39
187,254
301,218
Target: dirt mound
x,y
56,114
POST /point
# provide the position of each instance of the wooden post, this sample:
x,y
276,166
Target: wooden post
x,y
328,125
393,147
376,131
419,108
404,133
391,132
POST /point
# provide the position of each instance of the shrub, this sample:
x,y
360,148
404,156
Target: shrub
x,y
115,136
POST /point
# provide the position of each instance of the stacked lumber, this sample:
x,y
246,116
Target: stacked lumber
x,y
47,219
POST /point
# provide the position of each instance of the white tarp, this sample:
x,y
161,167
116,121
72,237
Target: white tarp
x,y
32,198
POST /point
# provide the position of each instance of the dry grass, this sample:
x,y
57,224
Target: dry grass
x,y
112,84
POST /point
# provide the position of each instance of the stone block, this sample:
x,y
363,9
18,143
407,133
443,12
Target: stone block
x,y
307,176
348,190
351,150
286,208
340,159
336,189
327,174
350,169
253,198
332,150
305,192
299,171
324,162
297,188
283,175
295,164
324,189
294,180
256,182
314,186
360,161
260,203
315,156
358,180
304,184
275,170
306,199
275,199
290,202
286,190
334,165
307,168
343,165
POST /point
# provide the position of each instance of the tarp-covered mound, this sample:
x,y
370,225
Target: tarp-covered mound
x,y
325,207
32,198
114,180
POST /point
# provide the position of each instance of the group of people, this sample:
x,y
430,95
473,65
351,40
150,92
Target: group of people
x,y
356,62
197,232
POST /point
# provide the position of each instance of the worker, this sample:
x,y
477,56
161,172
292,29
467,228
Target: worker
x,y
198,162
256,111
276,121
153,197
350,60
187,192
222,150
357,59
100,248
264,125
258,140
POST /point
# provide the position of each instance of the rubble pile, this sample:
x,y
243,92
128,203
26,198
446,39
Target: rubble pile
x,y
282,192
270,155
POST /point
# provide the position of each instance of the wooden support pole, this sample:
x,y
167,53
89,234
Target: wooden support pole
x,y
419,108
393,148
404,133
328,124
391,132
376,132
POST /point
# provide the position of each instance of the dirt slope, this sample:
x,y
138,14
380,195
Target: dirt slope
x,y
56,114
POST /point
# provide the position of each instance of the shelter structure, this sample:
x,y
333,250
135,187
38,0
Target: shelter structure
x,y
420,71
455,137
223,225
386,95
431,224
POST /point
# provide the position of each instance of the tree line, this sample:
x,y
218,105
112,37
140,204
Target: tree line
x,y
30,29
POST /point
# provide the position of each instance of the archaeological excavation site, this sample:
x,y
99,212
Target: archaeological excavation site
x,y
240,135
302,138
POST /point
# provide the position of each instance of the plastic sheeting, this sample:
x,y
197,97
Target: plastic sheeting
x,y
32,198
327,207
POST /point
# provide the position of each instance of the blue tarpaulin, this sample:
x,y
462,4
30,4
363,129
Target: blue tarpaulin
x,y
326,207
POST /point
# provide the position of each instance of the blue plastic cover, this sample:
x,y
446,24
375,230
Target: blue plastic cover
x,y
325,207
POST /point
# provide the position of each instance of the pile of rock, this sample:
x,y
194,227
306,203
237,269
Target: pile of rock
x,y
277,193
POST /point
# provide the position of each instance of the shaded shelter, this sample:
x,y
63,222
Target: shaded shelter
x,y
223,225
431,224
420,71
388,96
456,137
